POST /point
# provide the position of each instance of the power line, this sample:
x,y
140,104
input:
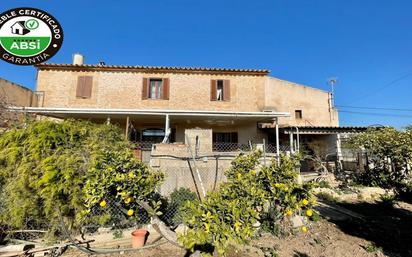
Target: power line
x,y
380,114
375,108
376,90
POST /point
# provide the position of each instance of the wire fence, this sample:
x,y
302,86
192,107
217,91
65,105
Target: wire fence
x,y
109,225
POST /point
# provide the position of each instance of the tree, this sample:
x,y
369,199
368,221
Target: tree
x,y
58,170
389,154
251,196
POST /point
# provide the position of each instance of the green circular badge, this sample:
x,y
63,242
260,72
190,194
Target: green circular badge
x,y
29,36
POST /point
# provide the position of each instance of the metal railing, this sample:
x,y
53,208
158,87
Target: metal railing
x,y
231,147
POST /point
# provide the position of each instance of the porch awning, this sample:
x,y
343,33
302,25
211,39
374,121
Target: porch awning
x,y
144,113
323,130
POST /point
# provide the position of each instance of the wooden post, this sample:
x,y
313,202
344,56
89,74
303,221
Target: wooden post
x,y
277,141
127,128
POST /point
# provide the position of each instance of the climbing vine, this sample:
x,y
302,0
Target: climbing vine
x,y
58,170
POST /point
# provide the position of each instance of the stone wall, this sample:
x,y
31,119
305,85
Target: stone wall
x,y
286,96
123,90
12,94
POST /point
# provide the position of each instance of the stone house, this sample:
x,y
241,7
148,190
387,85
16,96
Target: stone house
x,y
179,113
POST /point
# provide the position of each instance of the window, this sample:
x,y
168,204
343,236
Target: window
x,y
220,90
298,114
84,87
153,135
225,137
155,88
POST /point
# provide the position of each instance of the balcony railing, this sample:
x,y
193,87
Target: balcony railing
x,y
226,147
237,147
230,147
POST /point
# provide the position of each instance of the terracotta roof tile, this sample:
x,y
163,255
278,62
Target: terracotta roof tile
x,y
153,68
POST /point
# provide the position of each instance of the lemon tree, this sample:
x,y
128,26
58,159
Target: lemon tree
x,y
251,195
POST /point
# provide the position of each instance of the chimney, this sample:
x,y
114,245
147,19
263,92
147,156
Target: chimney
x,y
78,59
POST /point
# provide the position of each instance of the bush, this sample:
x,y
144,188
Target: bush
x,y
389,160
53,171
178,198
252,193
389,154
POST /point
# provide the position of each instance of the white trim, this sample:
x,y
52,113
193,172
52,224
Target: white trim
x,y
58,110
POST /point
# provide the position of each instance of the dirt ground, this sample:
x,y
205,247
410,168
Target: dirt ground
x,y
382,230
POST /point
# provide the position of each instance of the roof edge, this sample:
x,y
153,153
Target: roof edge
x,y
46,110
162,69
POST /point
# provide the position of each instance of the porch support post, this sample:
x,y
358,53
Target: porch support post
x,y
277,141
291,141
167,130
127,128
297,139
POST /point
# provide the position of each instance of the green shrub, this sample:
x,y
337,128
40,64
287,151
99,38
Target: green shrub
x,y
387,199
389,152
178,198
252,193
59,170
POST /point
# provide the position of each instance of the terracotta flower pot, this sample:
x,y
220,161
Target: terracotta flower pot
x,y
139,238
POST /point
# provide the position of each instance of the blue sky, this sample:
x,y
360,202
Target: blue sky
x,y
366,44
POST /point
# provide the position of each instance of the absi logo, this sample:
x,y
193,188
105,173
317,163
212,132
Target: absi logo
x,y
29,36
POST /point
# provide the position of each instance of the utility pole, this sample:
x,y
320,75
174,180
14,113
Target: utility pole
x,y
332,82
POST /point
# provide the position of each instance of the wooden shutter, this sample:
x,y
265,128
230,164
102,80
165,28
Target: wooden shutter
x,y
226,90
80,86
84,86
166,89
87,88
145,88
213,90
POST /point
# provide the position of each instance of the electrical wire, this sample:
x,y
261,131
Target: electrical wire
x,y
377,90
374,108
378,114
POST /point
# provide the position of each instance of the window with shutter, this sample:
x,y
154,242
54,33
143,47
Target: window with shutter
x,y
84,87
220,90
156,88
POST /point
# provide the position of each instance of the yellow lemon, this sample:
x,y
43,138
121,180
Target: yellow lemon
x,y
237,225
304,229
305,202
239,176
103,203
131,175
130,212
289,213
309,213
128,200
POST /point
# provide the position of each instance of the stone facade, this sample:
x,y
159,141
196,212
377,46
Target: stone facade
x,y
123,90
189,91
12,94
